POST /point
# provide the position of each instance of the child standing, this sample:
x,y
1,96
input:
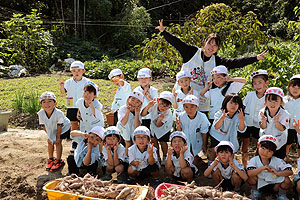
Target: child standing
x,y
227,168
183,79
122,93
143,161
161,121
228,121
194,124
114,154
144,78
292,102
89,108
57,127
253,102
266,172
129,117
74,89
87,153
179,164
274,119
221,86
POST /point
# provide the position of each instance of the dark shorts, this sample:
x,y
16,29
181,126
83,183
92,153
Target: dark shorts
x,y
281,153
250,131
182,179
125,164
267,189
65,135
146,172
164,138
146,122
213,142
292,137
72,114
227,185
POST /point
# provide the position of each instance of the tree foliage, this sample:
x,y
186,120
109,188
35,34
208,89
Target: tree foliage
x,y
295,25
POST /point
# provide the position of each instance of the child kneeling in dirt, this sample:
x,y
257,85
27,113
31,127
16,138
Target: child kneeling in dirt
x,y
87,153
225,169
143,161
114,155
179,163
56,125
266,172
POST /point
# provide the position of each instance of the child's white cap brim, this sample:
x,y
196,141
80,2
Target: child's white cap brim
x,y
167,96
269,138
114,72
191,99
225,143
98,130
47,95
77,65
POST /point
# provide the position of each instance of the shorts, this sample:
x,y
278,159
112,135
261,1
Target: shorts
x,y
125,164
72,114
179,178
146,122
164,138
251,130
227,185
146,172
65,135
292,137
267,188
281,153
213,142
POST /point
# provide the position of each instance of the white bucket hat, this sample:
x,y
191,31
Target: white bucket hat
x,y
191,99
295,76
276,91
167,96
269,138
182,74
221,69
137,95
178,134
77,65
144,73
112,130
141,130
114,72
47,95
98,130
225,143
258,72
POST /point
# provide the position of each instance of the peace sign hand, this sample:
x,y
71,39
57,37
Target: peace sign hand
x,y
161,27
178,123
263,117
262,55
150,149
296,126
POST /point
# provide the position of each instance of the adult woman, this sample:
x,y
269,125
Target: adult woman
x,y
200,61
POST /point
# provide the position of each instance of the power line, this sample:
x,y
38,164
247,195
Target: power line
x,y
168,4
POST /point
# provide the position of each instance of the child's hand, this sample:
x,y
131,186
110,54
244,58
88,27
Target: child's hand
x,y
61,82
209,83
116,148
137,110
262,55
276,118
240,114
150,149
89,103
224,115
231,163
174,93
170,150
183,149
161,26
85,135
191,92
152,102
273,170
178,123
266,167
296,126
216,161
78,116
57,141
161,116
128,106
263,117
135,163
107,147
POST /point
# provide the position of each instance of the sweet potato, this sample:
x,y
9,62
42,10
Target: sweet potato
x,y
228,194
124,193
111,195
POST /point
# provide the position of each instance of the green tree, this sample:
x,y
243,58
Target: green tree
x,y
295,25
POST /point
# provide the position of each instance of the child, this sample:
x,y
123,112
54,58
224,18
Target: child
x,y
114,154
87,153
292,102
253,102
227,168
121,94
297,176
179,162
183,79
228,121
56,125
161,121
143,160
129,117
267,173
221,86
74,89
195,125
274,119
144,78
89,108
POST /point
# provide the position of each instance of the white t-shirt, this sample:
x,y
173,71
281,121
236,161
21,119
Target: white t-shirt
x,y
193,128
120,152
74,91
216,97
127,130
135,154
154,94
265,177
253,105
81,151
167,121
57,118
272,130
88,120
121,96
292,106
227,172
188,157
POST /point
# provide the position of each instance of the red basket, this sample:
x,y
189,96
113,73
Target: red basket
x,y
159,189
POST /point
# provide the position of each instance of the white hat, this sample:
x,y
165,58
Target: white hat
x,y
221,69
269,138
94,85
114,72
295,76
276,91
258,72
141,130
77,65
137,95
47,95
112,130
98,130
167,96
191,99
182,74
144,73
225,143
178,134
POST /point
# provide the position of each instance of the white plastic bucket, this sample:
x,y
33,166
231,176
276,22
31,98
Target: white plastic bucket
x,y
4,116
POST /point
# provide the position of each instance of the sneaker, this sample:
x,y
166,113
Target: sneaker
x,y
282,197
57,164
49,164
254,194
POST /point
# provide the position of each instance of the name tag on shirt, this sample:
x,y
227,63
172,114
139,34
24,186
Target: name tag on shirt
x,y
69,101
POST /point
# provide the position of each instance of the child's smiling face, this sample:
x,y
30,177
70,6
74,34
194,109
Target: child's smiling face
x,y
259,84
295,91
88,96
144,81
184,82
94,139
273,104
77,74
134,103
219,79
141,140
177,144
264,152
111,140
48,105
232,107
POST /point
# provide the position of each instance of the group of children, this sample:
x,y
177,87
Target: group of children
x,y
144,121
